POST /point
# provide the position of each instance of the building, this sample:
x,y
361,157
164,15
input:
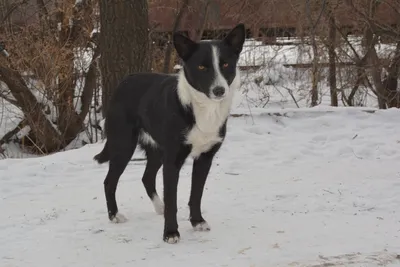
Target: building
x,y
263,18
268,18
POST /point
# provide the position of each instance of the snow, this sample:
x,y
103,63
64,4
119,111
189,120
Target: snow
x,y
273,85
10,116
255,53
293,187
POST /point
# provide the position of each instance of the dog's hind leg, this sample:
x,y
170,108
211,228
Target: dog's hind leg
x,y
149,177
121,150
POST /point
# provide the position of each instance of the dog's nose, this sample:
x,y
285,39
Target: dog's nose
x,y
219,91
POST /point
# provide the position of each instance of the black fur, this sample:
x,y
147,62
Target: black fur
x,y
195,54
149,102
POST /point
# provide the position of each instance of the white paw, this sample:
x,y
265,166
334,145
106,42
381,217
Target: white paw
x,y
202,227
172,240
119,218
158,205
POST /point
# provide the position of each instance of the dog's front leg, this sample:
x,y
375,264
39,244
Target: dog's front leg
x,y
201,168
174,158
171,177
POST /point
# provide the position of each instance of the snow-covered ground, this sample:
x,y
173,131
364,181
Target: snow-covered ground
x,y
310,187
272,85
314,187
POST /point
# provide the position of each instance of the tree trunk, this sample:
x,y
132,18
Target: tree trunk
x,y
72,34
203,20
360,77
124,43
391,81
332,60
375,67
314,73
46,134
315,59
52,133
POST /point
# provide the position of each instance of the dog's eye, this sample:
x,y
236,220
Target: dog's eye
x,y
201,67
225,65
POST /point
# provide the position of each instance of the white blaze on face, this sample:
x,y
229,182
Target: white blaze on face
x,y
219,79
210,114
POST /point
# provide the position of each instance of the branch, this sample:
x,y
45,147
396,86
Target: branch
x,y
177,21
90,84
350,98
396,10
203,20
44,16
42,9
45,133
346,40
376,27
11,10
394,67
6,138
376,68
314,70
12,101
308,11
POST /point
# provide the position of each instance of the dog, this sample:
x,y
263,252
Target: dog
x,y
173,117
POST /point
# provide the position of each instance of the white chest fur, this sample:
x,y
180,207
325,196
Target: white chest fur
x,y
209,119
210,115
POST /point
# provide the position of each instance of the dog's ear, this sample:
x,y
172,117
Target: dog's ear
x,y
184,46
236,38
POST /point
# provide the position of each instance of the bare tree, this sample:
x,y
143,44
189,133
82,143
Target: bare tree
x,y
41,75
177,21
314,45
384,86
124,42
206,5
332,57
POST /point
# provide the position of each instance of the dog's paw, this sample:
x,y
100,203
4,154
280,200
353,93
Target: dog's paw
x,y
158,205
118,218
172,237
202,226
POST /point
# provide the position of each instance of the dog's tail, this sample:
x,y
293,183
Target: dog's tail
x,y
103,156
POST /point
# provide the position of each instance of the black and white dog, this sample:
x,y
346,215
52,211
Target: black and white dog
x,y
172,117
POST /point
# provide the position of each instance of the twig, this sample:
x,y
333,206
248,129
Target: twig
x,y
11,10
314,89
35,145
329,191
314,25
11,133
356,154
168,51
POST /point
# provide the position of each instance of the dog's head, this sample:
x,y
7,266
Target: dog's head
x,y
210,66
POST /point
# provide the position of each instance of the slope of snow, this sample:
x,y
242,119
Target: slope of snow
x,y
304,189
